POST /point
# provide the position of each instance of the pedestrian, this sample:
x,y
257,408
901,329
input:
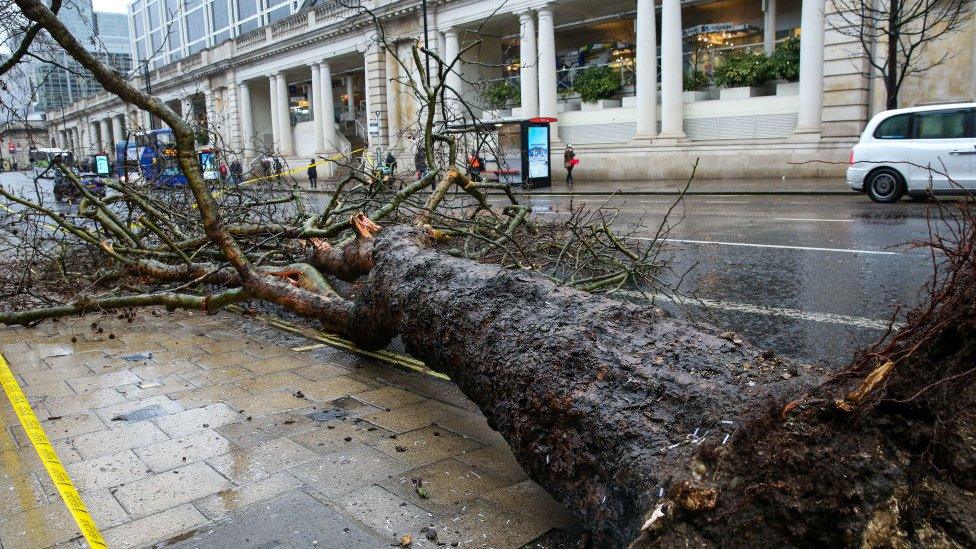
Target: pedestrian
x,y
266,165
223,172
420,164
236,171
277,168
475,166
313,175
570,161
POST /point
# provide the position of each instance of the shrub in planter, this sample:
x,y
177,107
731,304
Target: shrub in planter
x,y
695,80
786,59
742,69
500,94
597,83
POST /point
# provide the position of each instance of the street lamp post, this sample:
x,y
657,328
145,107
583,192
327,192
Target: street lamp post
x,y
145,76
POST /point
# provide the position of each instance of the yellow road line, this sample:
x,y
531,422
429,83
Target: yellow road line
x,y
49,457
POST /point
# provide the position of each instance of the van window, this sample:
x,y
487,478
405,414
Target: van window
x,y
942,124
895,127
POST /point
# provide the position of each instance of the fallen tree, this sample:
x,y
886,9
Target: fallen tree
x,y
654,431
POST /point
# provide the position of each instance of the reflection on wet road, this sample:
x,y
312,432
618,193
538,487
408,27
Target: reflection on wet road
x,y
812,277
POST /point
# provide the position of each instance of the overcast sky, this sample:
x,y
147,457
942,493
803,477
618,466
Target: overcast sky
x,y
118,6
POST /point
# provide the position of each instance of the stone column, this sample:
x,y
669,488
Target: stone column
x,y
284,115
117,130
375,63
811,67
646,70
247,122
528,65
452,46
275,134
672,125
392,97
547,65
769,26
350,98
317,116
232,109
328,107
108,140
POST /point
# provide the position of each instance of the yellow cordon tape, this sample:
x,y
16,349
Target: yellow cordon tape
x,y
333,158
49,457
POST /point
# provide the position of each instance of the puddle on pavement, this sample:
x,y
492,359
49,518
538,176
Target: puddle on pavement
x,y
325,416
141,414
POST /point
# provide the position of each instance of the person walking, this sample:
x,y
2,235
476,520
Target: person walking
x,y
420,164
569,161
236,172
313,175
475,166
277,168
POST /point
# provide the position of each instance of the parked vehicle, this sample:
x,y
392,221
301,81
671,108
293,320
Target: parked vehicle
x,y
916,151
42,160
66,191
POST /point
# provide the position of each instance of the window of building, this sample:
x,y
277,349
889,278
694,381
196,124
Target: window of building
x,y
279,13
273,3
249,25
190,4
172,8
197,46
141,49
195,27
246,8
221,37
175,38
153,11
896,127
943,124
156,41
219,14
138,25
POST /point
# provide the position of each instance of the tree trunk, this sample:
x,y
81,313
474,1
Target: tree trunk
x,y
634,419
891,74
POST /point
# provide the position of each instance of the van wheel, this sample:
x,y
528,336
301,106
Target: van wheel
x,y
885,186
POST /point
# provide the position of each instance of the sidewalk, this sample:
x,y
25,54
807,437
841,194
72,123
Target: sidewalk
x,y
815,187
218,431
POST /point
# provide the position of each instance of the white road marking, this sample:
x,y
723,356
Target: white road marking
x,y
813,219
774,246
794,314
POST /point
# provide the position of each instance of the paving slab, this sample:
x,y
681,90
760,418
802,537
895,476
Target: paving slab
x,y
298,520
170,489
211,431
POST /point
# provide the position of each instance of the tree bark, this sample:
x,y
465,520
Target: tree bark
x,y
653,431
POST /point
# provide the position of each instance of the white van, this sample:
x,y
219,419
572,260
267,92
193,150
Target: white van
x,y
916,151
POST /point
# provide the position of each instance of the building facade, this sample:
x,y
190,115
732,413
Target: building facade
x,y
315,80
57,80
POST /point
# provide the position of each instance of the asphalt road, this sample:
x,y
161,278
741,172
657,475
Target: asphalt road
x,y
812,277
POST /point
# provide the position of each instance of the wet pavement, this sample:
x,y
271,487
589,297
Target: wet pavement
x,y
216,431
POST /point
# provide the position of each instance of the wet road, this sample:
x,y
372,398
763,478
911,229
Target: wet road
x,y
812,277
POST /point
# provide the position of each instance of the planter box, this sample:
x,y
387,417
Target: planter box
x,y
629,101
693,96
601,104
740,93
788,88
568,105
